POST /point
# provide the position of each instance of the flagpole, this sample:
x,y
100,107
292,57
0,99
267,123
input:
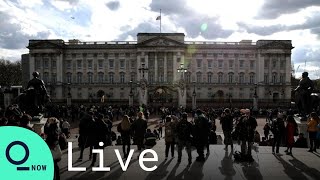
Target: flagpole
x,y
160,20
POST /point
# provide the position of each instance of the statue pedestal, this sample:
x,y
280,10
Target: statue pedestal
x,y
37,123
302,126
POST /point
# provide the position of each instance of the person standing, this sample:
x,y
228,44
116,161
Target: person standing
x,y
139,127
201,134
312,130
266,130
226,122
247,126
290,130
169,136
125,129
100,134
277,129
184,137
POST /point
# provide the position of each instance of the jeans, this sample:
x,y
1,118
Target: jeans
x,y
246,147
126,142
168,145
181,145
276,143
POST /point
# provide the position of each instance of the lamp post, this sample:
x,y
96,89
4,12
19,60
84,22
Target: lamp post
x,y
181,85
255,98
194,95
182,70
131,95
230,102
69,95
143,69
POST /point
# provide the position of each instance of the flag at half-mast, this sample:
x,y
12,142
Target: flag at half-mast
x,y
158,18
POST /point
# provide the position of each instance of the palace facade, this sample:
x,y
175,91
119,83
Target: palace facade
x,y
163,68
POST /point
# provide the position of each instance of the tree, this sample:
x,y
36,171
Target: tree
x,y
10,73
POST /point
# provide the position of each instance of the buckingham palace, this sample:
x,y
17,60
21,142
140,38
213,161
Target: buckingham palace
x,y
163,68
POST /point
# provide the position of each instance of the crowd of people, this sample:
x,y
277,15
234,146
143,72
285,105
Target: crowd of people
x,y
238,125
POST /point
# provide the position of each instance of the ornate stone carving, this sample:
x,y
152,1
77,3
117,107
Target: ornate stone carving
x,y
161,42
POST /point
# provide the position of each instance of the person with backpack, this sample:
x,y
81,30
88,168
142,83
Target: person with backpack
x,y
278,129
201,134
169,136
184,137
125,129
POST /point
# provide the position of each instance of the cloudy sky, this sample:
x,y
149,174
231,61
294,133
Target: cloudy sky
x,y
212,20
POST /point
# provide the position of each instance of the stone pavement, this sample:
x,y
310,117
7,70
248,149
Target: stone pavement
x,y
218,165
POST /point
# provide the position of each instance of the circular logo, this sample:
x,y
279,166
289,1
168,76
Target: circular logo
x,y
24,155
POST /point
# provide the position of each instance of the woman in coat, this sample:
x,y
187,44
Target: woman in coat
x,y
290,131
124,128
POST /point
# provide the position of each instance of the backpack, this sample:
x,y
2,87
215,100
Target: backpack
x,y
169,136
184,131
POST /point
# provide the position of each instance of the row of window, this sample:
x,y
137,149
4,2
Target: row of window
x,y
230,78
274,64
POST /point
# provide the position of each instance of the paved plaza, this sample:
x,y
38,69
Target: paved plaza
x,y
219,164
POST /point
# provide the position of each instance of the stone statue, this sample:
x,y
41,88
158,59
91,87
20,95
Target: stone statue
x,y
303,95
35,97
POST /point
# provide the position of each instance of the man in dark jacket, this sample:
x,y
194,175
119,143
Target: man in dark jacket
x,y
184,135
201,134
139,127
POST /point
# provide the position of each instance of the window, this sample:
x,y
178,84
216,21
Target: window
x,y
241,78
241,64
169,77
251,64
220,78
69,77
111,77
209,63
274,77
79,64
230,77
151,77
266,78
230,64
161,78
45,77
133,64
89,64
160,63
282,78
220,64
266,64
69,64
122,77
198,77
100,63
54,64
54,78
38,65
282,65
111,63
122,62
79,77
251,78
46,63
274,63
100,77
90,78
209,77
199,63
